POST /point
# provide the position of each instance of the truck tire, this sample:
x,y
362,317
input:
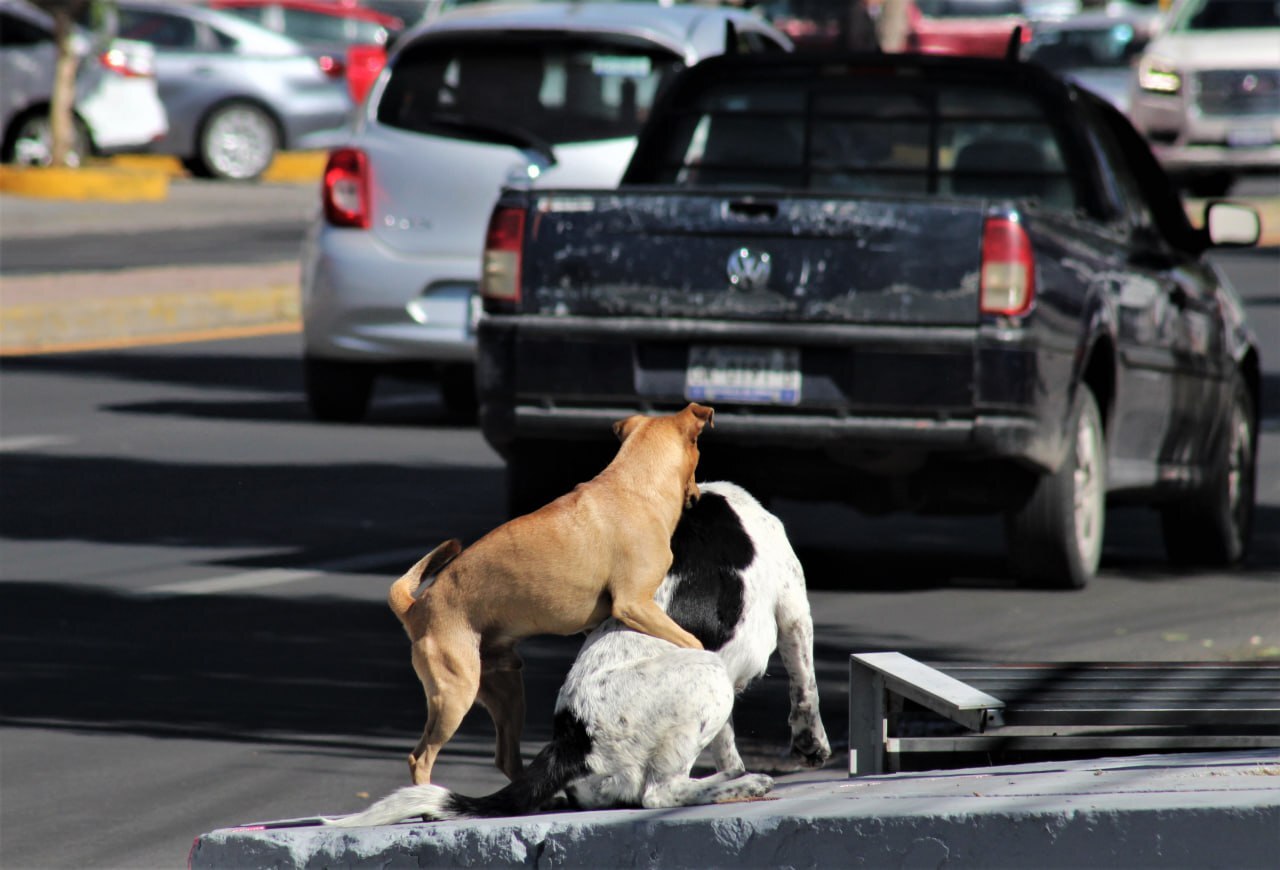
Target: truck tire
x,y
1055,539
1211,527
337,392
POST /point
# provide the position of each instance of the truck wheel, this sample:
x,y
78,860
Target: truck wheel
x,y
1055,539
337,392
1211,527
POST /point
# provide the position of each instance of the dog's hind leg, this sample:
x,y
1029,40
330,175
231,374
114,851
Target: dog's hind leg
x,y
683,791
450,675
502,694
724,750
795,645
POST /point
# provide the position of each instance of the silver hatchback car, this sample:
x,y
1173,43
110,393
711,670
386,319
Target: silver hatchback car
x,y
235,92
481,97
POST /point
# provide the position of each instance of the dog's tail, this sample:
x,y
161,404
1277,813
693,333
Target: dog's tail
x,y
560,762
401,596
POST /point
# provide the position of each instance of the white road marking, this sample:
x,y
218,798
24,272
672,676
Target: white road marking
x,y
281,576
33,442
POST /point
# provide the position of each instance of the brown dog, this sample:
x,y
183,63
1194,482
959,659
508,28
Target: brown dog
x,y
601,550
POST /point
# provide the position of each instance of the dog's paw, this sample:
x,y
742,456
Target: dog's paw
x,y
810,749
756,784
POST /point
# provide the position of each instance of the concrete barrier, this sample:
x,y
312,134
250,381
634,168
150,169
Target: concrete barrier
x,y
1201,811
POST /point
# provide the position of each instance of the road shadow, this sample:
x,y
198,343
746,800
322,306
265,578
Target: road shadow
x,y
351,507
320,675
276,378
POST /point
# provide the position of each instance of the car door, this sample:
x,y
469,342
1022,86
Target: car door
x,y
1169,330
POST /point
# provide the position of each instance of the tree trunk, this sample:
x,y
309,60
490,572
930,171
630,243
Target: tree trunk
x,y
61,118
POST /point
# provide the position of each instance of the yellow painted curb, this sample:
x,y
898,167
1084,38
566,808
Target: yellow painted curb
x,y
297,167
105,183
288,167
28,329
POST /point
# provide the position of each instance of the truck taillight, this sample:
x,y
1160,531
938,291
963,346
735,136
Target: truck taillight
x,y
346,189
500,279
1008,283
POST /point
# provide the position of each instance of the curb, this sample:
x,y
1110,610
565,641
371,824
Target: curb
x,y
139,177
97,182
99,324
288,167
1202,810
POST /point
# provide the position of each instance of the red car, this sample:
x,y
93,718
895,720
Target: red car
x,y
349,38
975,28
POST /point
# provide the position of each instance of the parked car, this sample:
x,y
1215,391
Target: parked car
x,y
972,28
1207,94
344,35
1096,50
117,106
235,92
547,93
931,284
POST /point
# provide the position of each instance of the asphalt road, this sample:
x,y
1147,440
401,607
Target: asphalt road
x,y
194,630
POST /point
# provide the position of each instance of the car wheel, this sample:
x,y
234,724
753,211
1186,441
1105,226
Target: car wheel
x,y
1055,539
337,392
33,142
238,141
1212,527
458,390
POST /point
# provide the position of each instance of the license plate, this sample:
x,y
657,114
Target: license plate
x,y
756,375
1250,137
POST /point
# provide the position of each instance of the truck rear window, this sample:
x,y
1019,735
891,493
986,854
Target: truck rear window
x,y
875,135
560,89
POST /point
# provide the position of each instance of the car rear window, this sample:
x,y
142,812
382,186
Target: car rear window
x,y
1227,15
558,89
873,134
969,8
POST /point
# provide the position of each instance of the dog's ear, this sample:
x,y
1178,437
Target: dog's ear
x,y
698,416
624,428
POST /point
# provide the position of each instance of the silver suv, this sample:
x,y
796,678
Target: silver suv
x,y
481,97
1207,93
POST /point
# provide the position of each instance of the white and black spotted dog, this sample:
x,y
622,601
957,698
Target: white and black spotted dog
x,y
635,712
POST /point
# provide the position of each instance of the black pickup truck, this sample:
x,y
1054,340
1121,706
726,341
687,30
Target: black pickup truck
x,y
907,283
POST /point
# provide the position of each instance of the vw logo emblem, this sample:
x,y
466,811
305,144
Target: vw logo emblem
x,y
748,270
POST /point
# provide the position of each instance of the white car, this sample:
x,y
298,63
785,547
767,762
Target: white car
x,y
117,105
481,97
1207,93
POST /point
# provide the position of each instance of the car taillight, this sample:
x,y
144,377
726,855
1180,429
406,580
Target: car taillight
x,y
346,189
333,67
122,63
1008,283
500,278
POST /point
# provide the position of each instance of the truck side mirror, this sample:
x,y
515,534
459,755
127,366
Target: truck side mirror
x,y
1233,225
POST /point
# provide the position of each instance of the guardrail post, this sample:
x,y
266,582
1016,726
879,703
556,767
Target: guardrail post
x,y
866,719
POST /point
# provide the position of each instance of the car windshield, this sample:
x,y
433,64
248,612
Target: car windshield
x,y
557,89
1095,47
969,8
1227,15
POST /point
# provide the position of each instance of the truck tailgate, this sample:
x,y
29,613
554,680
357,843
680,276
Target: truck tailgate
x,y
753,258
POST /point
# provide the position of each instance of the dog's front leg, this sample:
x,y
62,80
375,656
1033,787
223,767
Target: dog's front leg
x,y
633,605
502,694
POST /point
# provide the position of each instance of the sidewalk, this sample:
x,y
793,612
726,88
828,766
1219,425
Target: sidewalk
x,y
68,310
1170,811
